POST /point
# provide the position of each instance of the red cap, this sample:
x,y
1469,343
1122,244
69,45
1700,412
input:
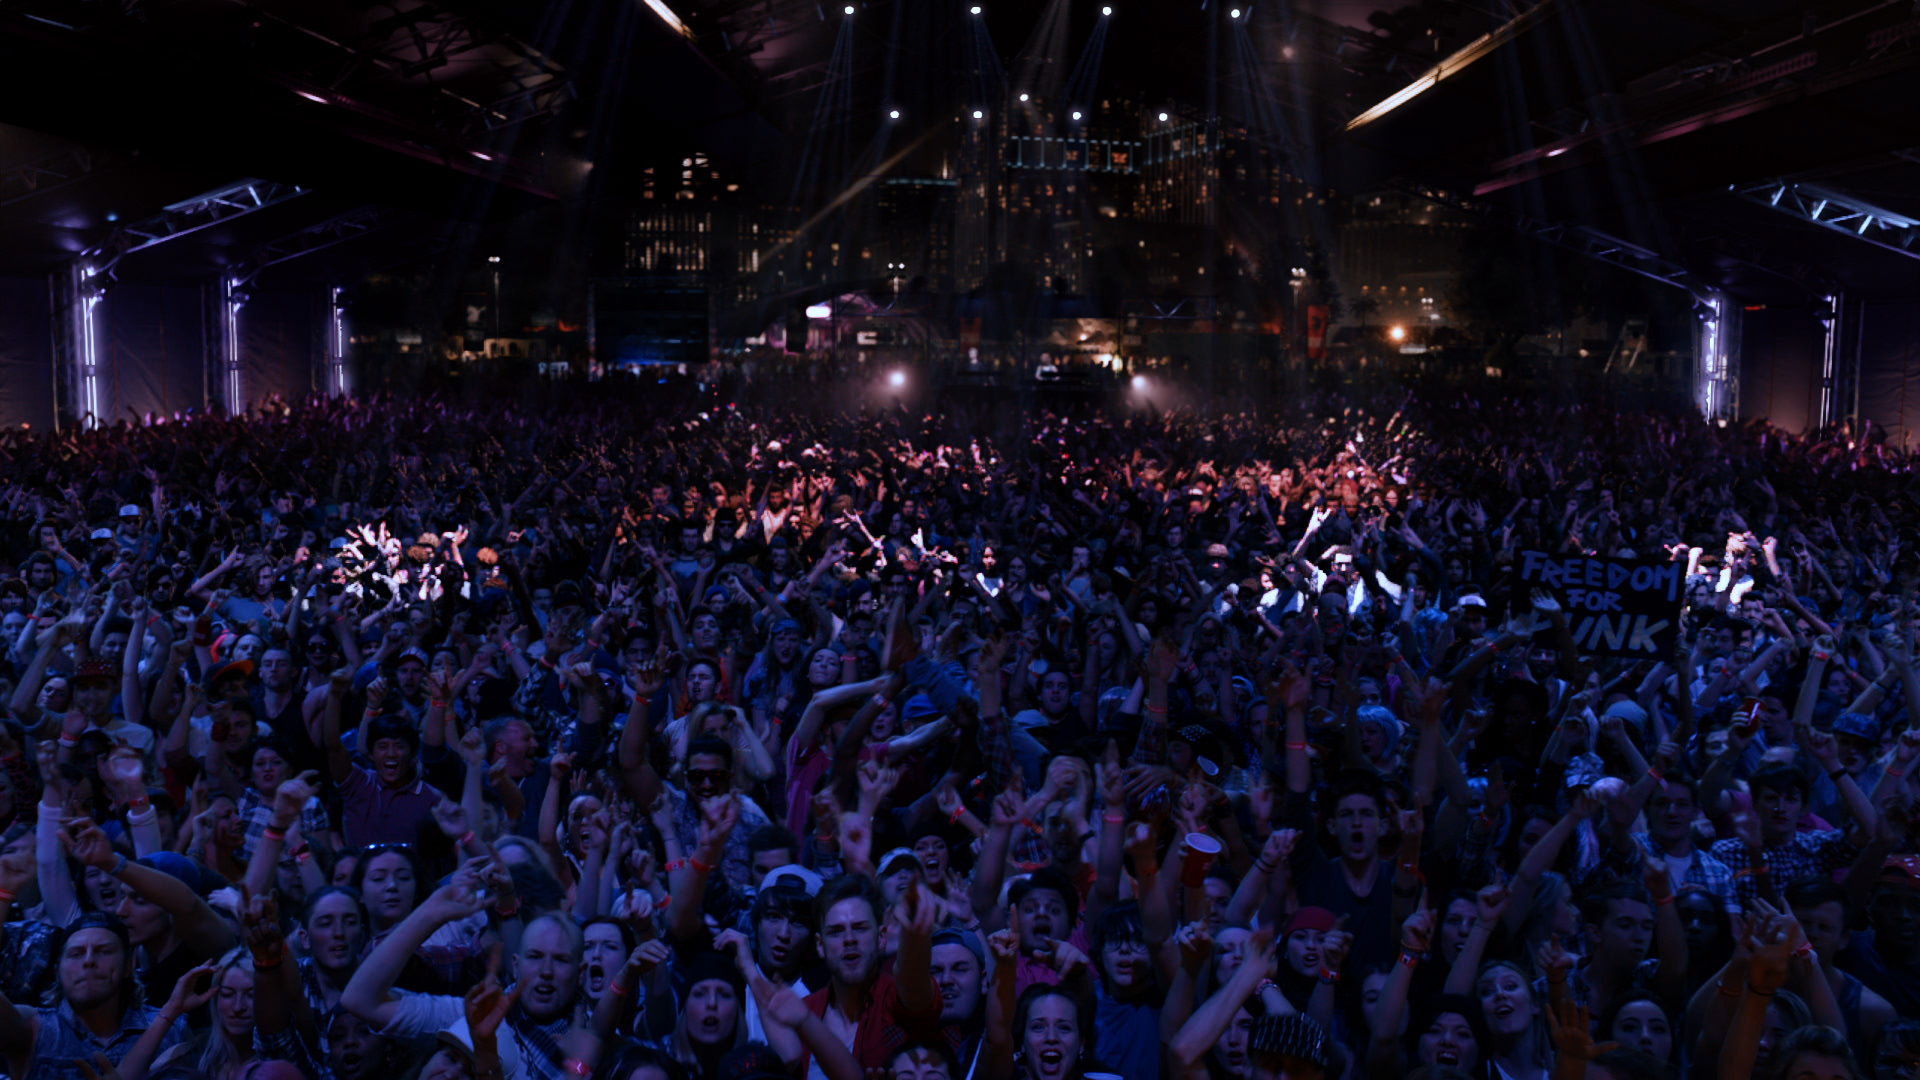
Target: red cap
x,y
1311,918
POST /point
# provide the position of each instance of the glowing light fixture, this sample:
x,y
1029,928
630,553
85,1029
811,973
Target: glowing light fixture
x,y
849,9
666,15
1468,54
1140,384
482,156
1556,151
1106,11
1076,114
1397,333
976,9
310,96
897,379
1234,14
893,114
978,115
1163,118
1023,97
820,311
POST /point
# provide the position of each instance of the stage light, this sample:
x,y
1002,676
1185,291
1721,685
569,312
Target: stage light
x,y
1139,384
1106,11
1556,151
849,9
480,155
1397,333
1234,14
893,114
1076,114
495,259
1286,52
820,311
897,379
976,9
1023,97
315,98
1163,118
978,115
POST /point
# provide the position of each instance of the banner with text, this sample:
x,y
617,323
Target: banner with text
x,y
1617,607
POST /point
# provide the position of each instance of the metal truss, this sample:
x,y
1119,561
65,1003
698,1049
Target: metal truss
x,y
338,230
1837,212
1581,240
189,216
49,173
414,42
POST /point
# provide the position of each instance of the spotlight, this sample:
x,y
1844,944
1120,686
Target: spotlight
x,y
1023,97
897,379
1397,333
893,114
978,115
849,9
1556,151
1106,11
1286,52
1076,114
315,98
494,259
976,9
480,155
1139,384
1234,14
1163,118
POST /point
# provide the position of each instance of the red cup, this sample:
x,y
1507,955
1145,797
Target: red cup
x,y
1201,851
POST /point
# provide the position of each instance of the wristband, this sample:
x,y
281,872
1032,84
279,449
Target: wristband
x,y
465,839
69,741
1805,951
1329,976
1752,871
276,835
958,813
1262,988
1266,869
1410,960
694,861
139,803
1895,773
1667,900
617,989
119,865
1297,746
1655,773
1757,992
1112,818
441,704
675,866
666,900
6,896
1157,709
263,964
578,1068
508,913
303,853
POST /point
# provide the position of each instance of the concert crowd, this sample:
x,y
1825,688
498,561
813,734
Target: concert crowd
x,y
387,738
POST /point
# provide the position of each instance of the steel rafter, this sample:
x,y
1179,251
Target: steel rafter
x,y
1837,212
47,174
190,216
337,230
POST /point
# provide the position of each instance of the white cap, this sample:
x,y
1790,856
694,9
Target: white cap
x,y
793,875
130,510
1471,600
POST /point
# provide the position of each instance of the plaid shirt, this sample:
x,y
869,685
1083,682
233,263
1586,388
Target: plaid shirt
x,y
61,1042
1807,855
1706,872
256,811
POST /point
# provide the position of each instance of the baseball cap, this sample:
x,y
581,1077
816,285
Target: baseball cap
x,y
793,876
129,510
890,859
966,939
1902,870
1858,726
1470,600
101,534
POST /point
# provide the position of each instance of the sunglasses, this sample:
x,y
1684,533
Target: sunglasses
x,y
713,776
